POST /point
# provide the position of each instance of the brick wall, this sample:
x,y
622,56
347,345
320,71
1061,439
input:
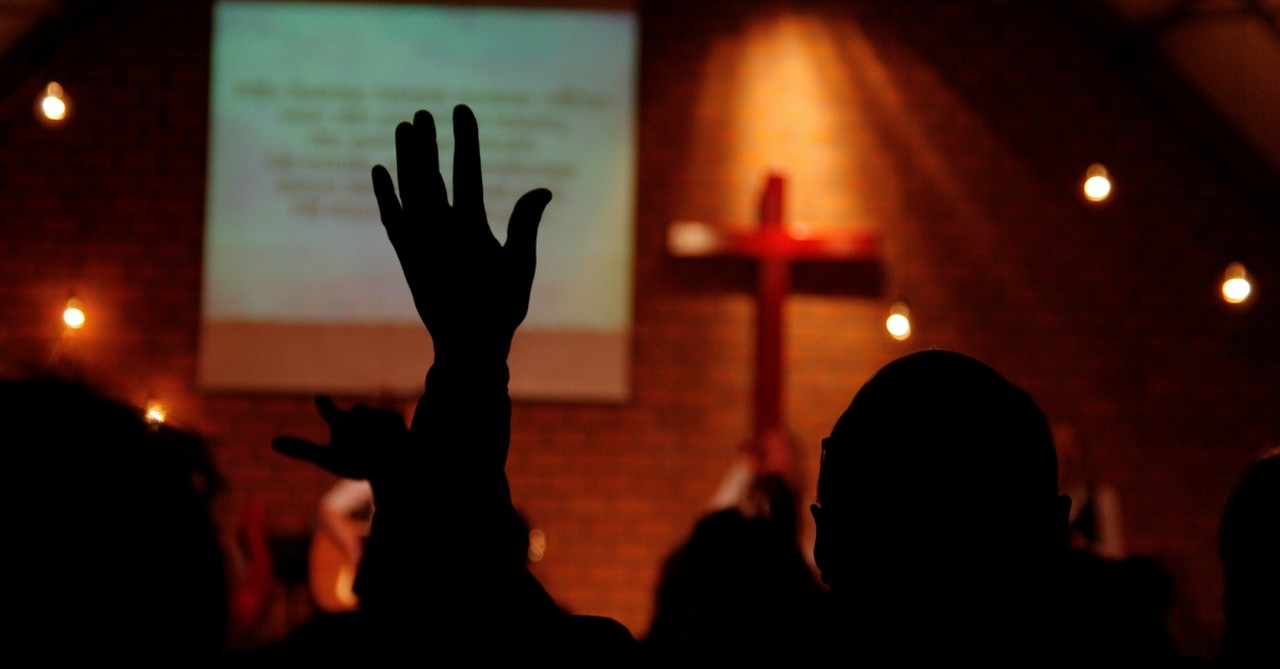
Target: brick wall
x,y
957,131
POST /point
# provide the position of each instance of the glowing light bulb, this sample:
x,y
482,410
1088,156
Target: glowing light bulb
x,y
691,238
73,315
155,413
1236,284
899,321
52,104
1097,183
53,108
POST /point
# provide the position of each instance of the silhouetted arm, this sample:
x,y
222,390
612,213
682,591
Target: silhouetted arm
x,y
441,540
471,292
442,537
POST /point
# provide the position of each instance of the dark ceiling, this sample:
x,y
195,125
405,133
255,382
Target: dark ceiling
x,y
1218,61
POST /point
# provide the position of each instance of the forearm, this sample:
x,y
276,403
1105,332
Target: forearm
x,y
443,529
463,424
444,520
453,479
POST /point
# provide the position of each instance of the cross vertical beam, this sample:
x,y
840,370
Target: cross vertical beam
x,y
773,281
774,249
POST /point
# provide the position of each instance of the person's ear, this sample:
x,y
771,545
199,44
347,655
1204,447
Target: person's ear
x,y
821,542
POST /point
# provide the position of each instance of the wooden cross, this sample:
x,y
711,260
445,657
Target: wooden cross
x,y
773,249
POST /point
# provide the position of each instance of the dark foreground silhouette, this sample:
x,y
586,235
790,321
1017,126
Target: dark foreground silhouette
x,y
739,589
112,550
1249,543
940,530
439,574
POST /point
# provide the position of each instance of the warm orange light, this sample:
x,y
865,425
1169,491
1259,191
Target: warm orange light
x,y
155,413
1237,285
1097,183
692,238
899,322
73,314
780,101
537,545
802,229
52,104
344,587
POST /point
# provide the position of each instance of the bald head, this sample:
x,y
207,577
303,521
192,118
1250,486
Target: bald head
x,y
937,455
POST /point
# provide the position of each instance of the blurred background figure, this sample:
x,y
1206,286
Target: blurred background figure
x,y
343,517
1096,525
740,588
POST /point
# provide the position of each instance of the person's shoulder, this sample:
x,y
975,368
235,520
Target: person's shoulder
x,y
597,641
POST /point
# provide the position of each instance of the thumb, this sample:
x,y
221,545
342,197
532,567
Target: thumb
x,y
522,231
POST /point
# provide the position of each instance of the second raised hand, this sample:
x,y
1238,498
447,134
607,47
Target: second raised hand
x,y
470,291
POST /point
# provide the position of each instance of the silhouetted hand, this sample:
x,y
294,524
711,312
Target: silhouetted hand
x,y
363,441
470,291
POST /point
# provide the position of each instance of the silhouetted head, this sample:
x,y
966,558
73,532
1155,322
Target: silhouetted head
x,y
937,488
738,590
1249,543
114,549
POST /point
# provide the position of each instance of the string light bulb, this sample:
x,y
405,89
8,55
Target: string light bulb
x,y
53,105
899,321
1097,183
1237,285
73,315
155,413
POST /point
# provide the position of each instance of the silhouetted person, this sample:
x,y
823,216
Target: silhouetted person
x,y
112,552
438,574
738,590
1249,544
939,524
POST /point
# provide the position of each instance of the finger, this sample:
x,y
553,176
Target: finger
x,y
425,125
385,193
521,247
328,410
435,198
408,167
301,449
468,186
393,219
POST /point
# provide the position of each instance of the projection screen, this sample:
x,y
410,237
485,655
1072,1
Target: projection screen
x,y
302,291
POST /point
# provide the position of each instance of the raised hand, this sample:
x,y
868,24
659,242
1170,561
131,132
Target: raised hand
x,y
470,291
363,442
446,472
